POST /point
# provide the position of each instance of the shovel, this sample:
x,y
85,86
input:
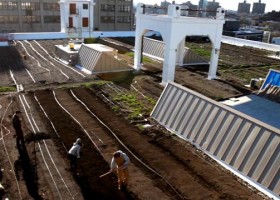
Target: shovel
x,y
109,172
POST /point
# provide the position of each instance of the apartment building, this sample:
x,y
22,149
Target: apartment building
x,y
44,15
29,16
258,8
113,15
244,8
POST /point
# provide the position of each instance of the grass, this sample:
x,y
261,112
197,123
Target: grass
x,y
86,84
145,58
135,107
8,89
203,50
95,83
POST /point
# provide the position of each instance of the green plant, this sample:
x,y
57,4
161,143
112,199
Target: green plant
x,y
7,89
130,101
116,108
89,40
140,126
130,54
152,101
95,83
145,58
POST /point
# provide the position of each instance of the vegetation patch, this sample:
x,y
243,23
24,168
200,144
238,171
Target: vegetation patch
x,y
90,40
86,84
200,50
135,107
8,89
145,58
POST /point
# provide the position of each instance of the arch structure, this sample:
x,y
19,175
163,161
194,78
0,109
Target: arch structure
x,y
174,28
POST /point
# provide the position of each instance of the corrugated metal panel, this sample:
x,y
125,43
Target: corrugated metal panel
x,y
246,144
155,49
99,62
191,58
107,63
88,57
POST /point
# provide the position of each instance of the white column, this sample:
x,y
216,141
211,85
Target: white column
x,y
138,38
91,14
137,49
216,38
168,73
62,16
180,52
214,63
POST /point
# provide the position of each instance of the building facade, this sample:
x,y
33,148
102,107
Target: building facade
x,y
212,7
44,15
202,4
193,12
113,15
244,8
258,8
29,16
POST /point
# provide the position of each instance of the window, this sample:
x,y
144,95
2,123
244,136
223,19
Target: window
x,y
107,19
8,19
124,8
106,7
70,21
31,19
85,6
72,9
52,19
11,5
13,19
123,19
30,6
51,6
85,22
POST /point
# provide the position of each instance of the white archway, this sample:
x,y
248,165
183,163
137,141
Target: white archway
x,y
173,28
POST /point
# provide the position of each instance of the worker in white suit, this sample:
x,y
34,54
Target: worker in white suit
x,y
74,153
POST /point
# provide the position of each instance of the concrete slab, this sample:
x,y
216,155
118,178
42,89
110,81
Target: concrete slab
x,y
257,107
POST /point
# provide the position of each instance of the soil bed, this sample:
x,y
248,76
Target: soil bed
x,y
114,115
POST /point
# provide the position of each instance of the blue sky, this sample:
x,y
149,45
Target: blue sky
x,y
227,4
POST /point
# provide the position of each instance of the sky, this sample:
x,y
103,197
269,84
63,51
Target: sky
x,y
227,4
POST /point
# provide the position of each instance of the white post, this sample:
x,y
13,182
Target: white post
x,y
91,19
214,62
168,73
138,38
216,44
180,52
62,16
